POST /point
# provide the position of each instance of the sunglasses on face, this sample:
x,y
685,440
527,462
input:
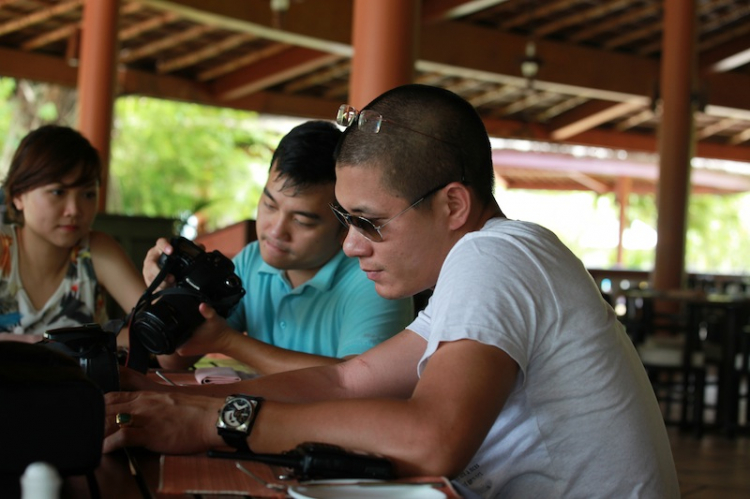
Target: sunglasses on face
x,y
366,227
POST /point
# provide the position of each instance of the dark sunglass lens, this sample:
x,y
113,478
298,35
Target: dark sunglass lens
x,y
367,228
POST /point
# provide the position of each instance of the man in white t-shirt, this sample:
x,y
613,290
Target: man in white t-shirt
x,y
517,379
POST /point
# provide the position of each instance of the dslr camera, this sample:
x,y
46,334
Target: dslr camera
x,y
163,321
95,350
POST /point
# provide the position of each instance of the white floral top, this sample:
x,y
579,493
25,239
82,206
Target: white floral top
x,y
78,300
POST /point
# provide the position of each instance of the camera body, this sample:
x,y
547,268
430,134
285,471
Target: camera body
x,y
164,321
93,348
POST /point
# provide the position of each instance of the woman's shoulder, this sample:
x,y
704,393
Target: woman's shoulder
x,y
98,244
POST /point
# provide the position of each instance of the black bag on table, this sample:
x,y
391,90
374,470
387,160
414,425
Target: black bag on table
x,y
49,411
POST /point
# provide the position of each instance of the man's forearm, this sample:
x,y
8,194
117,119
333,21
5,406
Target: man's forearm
x,y
269,359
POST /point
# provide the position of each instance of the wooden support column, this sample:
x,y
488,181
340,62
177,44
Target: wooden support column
x,y
676,141
97,79
624,187
384,37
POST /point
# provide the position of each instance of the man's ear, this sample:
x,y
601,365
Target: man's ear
x,y
458,204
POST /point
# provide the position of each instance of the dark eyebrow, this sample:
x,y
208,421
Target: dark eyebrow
x,y
306,214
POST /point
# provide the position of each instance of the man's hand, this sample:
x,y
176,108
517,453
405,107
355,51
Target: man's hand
x,y
167,423
151,266
131,380
212,336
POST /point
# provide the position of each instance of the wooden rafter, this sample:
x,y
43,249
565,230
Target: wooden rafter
x,y
148,49
716,23
498,93
739,138
149,24
321,77
561,107
39,16
242,61
271,71
531,100
595,114
213,49
646,31
589,182
540,10
631,16
51,36
588,15
724,36
67,30
634,120
715,128
440,10
463,86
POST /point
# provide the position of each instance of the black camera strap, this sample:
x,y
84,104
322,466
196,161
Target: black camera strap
x,y
138,356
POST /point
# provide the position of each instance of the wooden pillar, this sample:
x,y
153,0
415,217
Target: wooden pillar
x,y
624,187
384,37
676,141
97,79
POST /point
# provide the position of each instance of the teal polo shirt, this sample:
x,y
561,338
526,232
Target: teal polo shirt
x,y
335,314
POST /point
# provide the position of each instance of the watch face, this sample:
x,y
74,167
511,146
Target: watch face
x,y
236,412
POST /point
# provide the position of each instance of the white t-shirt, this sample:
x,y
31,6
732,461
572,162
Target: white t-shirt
x,y
582,420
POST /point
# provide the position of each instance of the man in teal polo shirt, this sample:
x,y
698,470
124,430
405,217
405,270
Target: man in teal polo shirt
x,y
307,303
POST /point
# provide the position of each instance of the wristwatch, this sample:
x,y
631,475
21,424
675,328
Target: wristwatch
x,y
236,419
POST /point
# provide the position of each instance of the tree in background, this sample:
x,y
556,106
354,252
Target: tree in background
x,y
173,159
26,105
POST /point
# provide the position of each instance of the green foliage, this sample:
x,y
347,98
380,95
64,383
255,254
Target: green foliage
x,y
717,239
7,87
718,234
173,159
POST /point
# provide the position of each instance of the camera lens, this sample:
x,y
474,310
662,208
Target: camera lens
x,y
167,324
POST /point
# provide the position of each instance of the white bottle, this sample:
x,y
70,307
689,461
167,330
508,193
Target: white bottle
x,y
40,481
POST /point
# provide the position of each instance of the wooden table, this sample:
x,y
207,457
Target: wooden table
x,y
137,473
196,477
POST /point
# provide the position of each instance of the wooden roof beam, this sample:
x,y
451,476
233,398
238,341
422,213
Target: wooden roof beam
x,y
241,62
634,14
51,36
37,67
589,182
39,16
593,12
441,10
525,103
448,47
739,138
69,29
148,25
560,108
543,10
321,77
715,128
210,50
728,56
130,55
635,120
591,115
613,168
291,63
